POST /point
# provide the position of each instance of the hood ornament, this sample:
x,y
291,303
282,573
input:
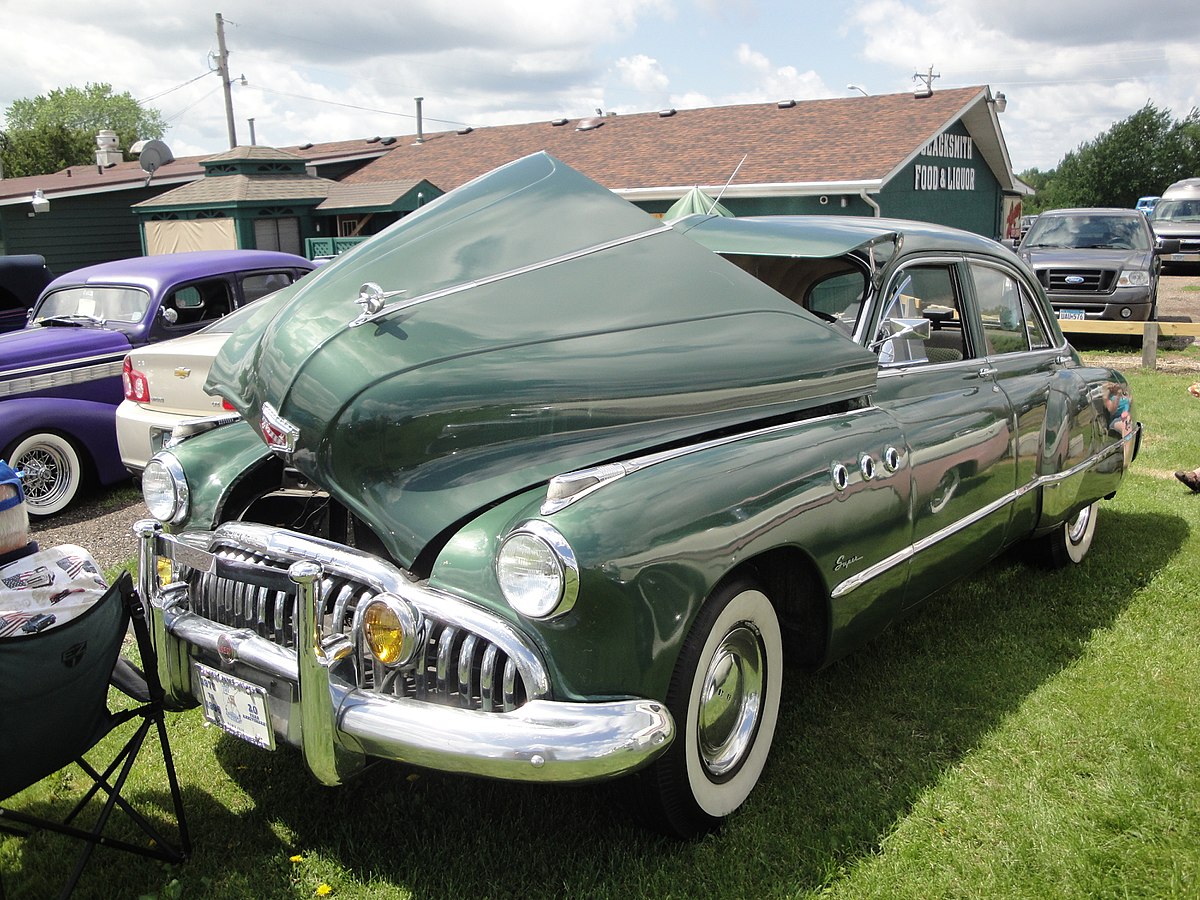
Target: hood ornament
x,y
372,298
280,434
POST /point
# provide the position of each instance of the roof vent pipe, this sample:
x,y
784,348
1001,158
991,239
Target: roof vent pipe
x,y
420,123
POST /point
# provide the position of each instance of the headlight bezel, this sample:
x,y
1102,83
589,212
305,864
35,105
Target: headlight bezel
x,y
179,499
1134,278
545,541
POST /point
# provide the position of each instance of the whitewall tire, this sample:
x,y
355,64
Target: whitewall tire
x,y
52,472
724,697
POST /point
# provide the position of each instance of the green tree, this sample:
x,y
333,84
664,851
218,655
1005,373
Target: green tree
x,y
1137,156
55,130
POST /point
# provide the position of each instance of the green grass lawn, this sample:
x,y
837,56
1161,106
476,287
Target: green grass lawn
x,y
1024,734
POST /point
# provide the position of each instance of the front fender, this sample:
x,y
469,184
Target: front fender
x,y
89,425
216,464
652,545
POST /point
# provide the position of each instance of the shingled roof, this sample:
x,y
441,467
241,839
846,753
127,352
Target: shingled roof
x,y
125,175
852,142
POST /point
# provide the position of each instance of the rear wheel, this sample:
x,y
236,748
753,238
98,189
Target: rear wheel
x,y
52,472
724,697
1069,543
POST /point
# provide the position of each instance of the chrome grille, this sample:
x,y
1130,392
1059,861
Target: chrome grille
x,y
454,666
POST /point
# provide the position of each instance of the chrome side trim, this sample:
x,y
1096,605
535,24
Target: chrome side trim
x,y
499,276
570,487
901,556
41,380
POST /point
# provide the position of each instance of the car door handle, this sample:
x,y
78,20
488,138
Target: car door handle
x,y
987,371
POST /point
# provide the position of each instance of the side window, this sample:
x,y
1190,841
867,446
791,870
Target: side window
x,y
1010,321
259,284
838,297
927,293
200,301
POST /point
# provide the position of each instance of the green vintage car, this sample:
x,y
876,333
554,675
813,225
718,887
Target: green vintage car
x,y
534,486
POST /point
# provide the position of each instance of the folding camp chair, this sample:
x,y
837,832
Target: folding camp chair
x,y
54,709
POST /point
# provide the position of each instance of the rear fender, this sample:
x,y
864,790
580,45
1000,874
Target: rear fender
x,y
1081,445
89,425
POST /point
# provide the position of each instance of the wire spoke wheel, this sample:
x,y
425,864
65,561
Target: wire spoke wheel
x,y
51,472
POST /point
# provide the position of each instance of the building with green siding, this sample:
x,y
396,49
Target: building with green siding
x,y
939,158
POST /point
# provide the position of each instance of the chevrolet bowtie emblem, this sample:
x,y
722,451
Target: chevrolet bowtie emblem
x,y
183,372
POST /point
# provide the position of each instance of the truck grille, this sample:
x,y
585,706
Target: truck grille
x,y
454,667
1067,281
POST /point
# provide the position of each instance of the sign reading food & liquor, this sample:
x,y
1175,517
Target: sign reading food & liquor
x,y
937,176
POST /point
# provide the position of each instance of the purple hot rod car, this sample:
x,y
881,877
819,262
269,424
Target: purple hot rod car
x,y
60,376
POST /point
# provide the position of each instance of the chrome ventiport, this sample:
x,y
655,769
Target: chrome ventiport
x,y
866,465
840,475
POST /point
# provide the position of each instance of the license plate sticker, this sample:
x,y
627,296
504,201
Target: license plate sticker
x,y
236,706
1071,314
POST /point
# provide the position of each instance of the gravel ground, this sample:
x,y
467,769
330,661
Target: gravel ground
x,y
100,522
103,521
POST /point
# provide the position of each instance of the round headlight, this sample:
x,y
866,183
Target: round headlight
x,y
391,630
537,572
164,488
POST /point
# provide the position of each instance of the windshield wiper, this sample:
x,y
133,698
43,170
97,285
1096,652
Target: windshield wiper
x,y
76,319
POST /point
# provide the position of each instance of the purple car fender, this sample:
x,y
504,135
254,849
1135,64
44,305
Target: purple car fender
x,y
89,424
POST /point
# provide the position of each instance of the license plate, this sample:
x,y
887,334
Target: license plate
x,y
1071,314
237,707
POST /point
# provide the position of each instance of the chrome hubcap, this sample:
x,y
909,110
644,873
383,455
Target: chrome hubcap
x,y
1079,525
731,700
45,475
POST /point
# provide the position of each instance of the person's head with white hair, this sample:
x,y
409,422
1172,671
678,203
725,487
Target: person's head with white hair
x,y
14,517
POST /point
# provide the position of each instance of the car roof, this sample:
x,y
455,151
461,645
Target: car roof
x,y
155,273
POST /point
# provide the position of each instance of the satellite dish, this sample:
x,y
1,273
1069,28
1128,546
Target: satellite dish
x,y
152,155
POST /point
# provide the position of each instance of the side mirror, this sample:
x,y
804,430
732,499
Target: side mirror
x,y
168,315
1164,246
891,329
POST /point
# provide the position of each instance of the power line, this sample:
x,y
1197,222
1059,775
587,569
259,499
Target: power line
x,y
386,112
184,84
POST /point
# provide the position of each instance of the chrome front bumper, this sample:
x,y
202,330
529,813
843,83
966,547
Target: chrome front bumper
x,y
317,706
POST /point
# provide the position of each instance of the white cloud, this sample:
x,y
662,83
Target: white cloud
x,y
642,73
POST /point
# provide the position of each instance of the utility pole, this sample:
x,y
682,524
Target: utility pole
x,y
223,72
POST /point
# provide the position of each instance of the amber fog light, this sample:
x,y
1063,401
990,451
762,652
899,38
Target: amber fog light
x,y
390,628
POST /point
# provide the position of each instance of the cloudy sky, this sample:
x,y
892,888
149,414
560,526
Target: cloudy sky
x,y
323,71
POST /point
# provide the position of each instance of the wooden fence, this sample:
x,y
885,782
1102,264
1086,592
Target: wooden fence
x,y
1150,332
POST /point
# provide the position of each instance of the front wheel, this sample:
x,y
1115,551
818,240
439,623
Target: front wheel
x,y
724,696
52,472
1069,543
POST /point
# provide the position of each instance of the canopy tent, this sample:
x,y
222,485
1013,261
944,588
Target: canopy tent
x,y
695,201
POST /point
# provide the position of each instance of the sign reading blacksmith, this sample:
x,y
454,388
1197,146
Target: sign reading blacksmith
x,y
939,176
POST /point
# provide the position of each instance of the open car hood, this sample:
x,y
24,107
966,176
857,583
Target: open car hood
x,y
540,324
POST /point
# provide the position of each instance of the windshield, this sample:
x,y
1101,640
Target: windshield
x,y
1089,232
1177,211
100,304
